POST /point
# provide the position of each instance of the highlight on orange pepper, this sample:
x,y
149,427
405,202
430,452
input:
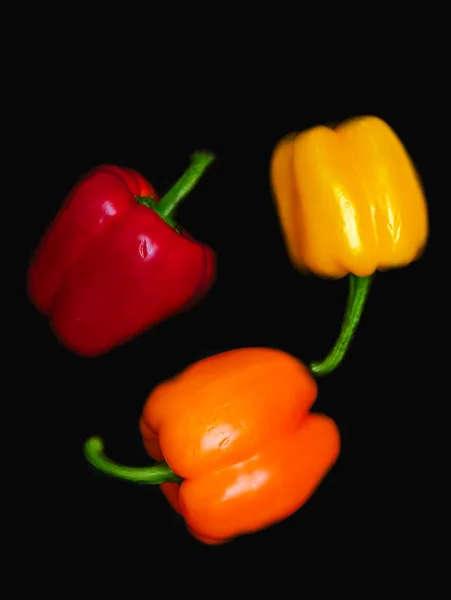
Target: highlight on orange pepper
x,y
350,202
237,446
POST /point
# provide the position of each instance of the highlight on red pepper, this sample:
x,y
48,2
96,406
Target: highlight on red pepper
x,y
350,202
237,447
114,262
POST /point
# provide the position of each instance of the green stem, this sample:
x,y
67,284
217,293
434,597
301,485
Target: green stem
x,y
148,201
156,474
200,161
359,288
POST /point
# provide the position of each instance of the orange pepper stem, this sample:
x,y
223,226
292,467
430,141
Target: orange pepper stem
x,y
156,474
359,288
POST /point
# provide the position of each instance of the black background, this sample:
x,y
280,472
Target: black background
x,y
376,505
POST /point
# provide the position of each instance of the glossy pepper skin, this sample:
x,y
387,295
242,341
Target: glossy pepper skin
x,y
236,428
349,199
109,267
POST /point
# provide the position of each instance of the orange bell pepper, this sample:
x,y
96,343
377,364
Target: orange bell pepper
x,y
239,449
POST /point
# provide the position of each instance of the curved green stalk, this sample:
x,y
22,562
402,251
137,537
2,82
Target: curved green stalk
x,y
156,474
359,288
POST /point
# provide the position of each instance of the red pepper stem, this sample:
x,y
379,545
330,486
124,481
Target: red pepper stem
x,y
359,288
200,161
156,474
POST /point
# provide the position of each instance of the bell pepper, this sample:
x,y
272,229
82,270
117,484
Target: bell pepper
x,y
237,445
114,262
350,202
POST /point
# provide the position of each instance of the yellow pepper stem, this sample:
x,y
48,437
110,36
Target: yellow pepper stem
x,y
359,288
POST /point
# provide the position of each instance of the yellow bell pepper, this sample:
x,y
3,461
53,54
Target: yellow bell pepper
x,y
350,202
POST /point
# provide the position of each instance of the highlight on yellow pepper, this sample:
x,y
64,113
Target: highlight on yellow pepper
x,y
350,203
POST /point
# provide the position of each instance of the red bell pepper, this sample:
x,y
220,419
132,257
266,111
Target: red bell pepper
x,y
114,263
